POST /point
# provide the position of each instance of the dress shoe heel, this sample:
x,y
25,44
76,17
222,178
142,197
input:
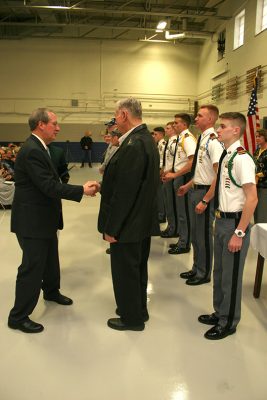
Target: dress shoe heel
x,y
208,319
196,281
188,275
59,299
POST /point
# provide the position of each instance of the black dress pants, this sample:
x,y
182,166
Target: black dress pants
x,y
39,270
129,276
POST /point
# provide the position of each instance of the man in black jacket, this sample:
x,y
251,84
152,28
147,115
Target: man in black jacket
x,y
36,217
128,214
86,143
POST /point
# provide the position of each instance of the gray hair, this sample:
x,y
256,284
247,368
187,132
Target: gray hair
x,y
40,114
132,105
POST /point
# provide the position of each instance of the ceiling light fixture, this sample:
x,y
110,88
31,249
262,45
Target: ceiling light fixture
x,y
161,25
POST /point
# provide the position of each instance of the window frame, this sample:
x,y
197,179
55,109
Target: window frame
x,y
239,29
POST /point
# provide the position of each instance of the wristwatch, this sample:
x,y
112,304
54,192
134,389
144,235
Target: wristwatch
x,y
239,233
204,202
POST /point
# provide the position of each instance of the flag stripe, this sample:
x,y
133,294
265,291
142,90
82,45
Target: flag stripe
x,y
253,121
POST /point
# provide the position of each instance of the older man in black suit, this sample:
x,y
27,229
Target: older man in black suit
x,y
128,214
36,217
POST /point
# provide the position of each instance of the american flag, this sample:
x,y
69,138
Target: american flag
x,y
253,121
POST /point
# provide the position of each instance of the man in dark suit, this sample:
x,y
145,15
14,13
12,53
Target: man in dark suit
x,y
128,214
36,217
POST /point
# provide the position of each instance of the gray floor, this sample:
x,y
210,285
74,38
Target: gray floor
x,y
79,357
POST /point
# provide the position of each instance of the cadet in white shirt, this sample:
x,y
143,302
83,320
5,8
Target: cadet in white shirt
x,y
204,170
182,166
169,194
158,134
236,199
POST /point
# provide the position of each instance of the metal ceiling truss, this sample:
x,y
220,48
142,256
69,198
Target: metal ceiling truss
x,y
104,19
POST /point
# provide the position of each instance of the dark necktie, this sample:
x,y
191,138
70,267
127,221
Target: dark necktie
x,y
175,150
164,154
194,163
216,194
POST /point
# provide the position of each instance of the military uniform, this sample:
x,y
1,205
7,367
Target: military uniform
x,y
186,148
237,169
202,224
168,191
260,215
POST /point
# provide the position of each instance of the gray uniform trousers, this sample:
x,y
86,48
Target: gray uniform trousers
x,y
160,200
228,273
183,213
170,206
202,235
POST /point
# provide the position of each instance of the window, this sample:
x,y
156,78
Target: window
x,y
261,17
239,29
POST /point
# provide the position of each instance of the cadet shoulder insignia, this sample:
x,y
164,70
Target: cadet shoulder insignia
x,y
241,150
213,136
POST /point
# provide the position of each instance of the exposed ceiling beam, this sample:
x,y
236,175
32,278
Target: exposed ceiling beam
x,y
95,10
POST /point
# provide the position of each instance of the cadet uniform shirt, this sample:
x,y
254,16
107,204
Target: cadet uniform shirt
x,y
209,153
232,197
161,147
170,152
186,148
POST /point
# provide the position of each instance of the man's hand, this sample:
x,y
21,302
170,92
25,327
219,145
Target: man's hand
x,y
109,239
90,188
200,208
168,177
235,244
184,189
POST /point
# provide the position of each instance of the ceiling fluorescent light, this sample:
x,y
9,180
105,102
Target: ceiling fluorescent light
x,y
162,25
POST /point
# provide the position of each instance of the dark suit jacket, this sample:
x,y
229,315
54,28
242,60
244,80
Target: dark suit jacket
x,y
128,209
59,161
36,208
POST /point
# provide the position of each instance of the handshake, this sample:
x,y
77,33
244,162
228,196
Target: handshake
x,y
90,188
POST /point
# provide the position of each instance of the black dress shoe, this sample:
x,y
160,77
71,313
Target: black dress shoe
x,y
167,234
208,319
173,245
27,326
219,332
187,275
196,281
59,299
108,251
116,323
144,314
179,250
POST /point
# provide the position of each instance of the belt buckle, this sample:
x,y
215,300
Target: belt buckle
x,y
217,214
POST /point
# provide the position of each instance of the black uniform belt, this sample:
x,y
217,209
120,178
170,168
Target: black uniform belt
x,y
232,215
201,187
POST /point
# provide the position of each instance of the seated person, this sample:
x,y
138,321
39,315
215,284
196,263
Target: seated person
x,y
7,186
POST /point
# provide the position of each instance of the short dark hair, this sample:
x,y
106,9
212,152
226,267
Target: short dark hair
x,y
40,114
262,132
239,119
185,118
159,129
212,109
